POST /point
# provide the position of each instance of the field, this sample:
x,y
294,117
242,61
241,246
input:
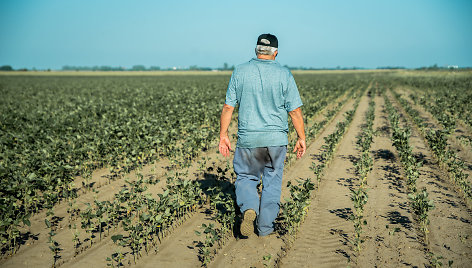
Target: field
x,y
123,171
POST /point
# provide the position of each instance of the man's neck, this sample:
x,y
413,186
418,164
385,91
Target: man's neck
x,y
266,57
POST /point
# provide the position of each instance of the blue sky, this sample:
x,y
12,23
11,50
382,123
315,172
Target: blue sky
x,y
53,33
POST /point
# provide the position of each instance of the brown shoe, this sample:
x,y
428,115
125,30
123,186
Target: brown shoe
x,y
247,225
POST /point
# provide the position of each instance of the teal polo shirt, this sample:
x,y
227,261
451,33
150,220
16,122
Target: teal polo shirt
x,y
265,92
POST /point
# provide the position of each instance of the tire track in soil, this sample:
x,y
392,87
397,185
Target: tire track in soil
x,y
322,239
387,205
450,228
249,252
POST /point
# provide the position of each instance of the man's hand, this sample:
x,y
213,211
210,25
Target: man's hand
x,y
297,120
225,146
300,148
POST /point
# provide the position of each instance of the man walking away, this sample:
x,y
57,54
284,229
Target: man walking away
x,y
266,93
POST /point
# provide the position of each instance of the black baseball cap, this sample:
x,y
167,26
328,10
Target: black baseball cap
x,y
268,40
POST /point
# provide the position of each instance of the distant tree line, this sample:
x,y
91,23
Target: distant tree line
x,y
143,68
9,68
448,67
391,67
109,68
6,68
323,68
225,67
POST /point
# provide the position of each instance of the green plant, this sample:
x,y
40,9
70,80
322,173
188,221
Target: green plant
x,y
116,259
393,230
419,200
422,206
76,240
436,261
363,166
54,246
205,250
359,199
437,141
87,221
88,127
266,260
294,209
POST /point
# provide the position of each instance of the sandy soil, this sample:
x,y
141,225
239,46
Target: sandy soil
x,y
451,219
323,237
463,151
35,251
236,252
392,236
250,252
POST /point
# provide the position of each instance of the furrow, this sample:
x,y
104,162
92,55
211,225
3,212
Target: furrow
x,y
249,252
451,219
327,220
389,221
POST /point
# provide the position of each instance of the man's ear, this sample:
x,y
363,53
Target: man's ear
x,y
276,53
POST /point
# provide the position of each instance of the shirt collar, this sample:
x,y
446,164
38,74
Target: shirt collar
x,y
262,60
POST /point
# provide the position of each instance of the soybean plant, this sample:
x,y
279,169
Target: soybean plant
x,y
422,206
54,246
205,248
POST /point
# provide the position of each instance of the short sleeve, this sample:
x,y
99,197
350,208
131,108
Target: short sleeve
x,y
292,96
231,99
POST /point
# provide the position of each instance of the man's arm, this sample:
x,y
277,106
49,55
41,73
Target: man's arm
x,y
297,120
225,145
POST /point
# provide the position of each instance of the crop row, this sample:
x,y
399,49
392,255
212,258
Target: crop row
x,y
313,128
437,141
136,219
54,129
224,212
316,105
363,166
451,94
331,143
446,120
419,201
295,208
292,213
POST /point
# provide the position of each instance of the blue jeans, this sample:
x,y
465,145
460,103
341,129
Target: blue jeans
x,y
250,165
